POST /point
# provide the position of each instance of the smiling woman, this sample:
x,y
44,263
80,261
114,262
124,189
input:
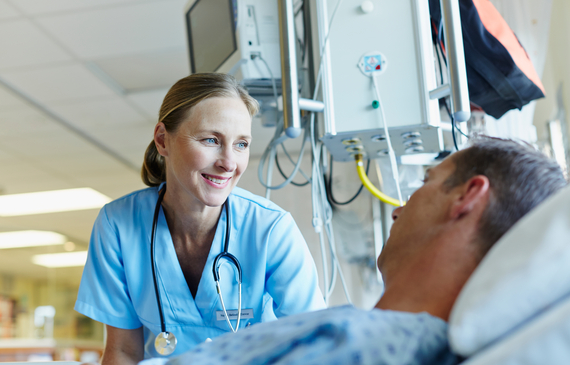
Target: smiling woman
x,y
148,275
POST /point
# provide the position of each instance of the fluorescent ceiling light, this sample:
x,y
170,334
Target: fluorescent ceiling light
x,y
65,259
51,201
18,239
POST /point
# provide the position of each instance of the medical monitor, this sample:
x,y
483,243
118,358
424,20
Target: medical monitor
x,y
239,37
211,28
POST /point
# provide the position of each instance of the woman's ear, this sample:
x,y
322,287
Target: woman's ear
x,y
160,136
474,193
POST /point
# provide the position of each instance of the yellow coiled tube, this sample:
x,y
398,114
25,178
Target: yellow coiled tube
x,y
373,190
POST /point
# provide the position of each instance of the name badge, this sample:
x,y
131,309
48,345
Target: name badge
x,y
233,314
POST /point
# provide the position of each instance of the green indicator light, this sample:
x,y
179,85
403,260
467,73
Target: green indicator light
x,y
375,104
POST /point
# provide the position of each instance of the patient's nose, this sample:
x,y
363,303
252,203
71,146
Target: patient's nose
x,y
396,212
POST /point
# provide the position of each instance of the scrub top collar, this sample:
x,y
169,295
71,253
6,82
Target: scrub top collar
x,y
178,304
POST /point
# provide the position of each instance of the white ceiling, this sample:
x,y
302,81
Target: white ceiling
x,y
81,82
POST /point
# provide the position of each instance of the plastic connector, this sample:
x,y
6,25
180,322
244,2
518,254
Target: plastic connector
x,y
318,225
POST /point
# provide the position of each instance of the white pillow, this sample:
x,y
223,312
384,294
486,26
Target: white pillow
x,y
526,271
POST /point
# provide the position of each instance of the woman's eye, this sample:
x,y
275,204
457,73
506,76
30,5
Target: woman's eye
x,y
210,140
242,145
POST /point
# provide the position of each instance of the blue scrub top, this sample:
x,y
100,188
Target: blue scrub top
x,y
279,277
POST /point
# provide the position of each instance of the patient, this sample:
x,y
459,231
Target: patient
x,y
466,204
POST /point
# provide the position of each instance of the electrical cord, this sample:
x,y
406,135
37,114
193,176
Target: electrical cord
x,y
285,176
322,210
329,185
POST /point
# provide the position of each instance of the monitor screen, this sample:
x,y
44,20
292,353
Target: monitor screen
x,y
211,33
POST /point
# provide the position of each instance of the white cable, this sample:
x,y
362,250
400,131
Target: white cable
x,y
322,51
324,208
271,149
391,152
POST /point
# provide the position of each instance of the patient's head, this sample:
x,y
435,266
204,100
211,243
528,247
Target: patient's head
x,y
519,176
466,204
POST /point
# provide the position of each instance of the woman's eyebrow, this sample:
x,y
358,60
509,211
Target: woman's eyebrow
x,y
218,133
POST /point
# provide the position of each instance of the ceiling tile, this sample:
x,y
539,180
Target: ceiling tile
x,y
108,112
9,100
7,11
140,27
31,47
21,122
45,145
147,71
149,101
35,7
85,163
124,136
68,82
36,183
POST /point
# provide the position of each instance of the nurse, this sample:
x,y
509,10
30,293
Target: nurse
x,y
199,152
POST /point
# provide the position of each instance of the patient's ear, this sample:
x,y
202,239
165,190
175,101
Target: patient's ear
x,y
470,195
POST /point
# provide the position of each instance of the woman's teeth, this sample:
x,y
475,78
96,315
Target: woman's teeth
x,y
217,181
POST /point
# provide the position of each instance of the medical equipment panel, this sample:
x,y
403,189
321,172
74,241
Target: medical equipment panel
x,y
380,48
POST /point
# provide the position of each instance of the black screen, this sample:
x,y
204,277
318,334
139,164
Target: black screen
x,y
211,34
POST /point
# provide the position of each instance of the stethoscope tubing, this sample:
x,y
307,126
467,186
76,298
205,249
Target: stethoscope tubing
x,y
215,267
152,239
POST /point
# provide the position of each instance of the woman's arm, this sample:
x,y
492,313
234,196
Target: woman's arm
x,y
123,347
292,278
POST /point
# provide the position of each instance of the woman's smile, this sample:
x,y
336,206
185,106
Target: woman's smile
x,y
218,182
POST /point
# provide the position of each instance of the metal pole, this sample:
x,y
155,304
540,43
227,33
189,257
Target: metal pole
x,y
455,60
289,79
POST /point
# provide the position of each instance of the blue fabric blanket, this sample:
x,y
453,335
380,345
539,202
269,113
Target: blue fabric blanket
x,y
341,335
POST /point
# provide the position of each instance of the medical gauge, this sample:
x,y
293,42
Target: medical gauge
x,y
165,342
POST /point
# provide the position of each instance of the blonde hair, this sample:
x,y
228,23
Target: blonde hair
x,y
181,97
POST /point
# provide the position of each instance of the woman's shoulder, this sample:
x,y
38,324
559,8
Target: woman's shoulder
x,y
137,200
252,201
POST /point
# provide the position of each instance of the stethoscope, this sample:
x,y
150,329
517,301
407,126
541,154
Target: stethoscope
x,y
165,342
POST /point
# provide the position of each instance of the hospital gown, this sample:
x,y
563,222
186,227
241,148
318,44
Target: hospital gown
x,y
341,335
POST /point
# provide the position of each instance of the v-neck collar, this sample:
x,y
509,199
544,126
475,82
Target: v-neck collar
x,y
174,289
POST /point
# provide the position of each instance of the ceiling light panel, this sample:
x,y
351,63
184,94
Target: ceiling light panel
x,y
65,259
140,27
51,201
19,239
31,46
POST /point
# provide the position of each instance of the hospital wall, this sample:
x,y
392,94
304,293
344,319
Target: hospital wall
x,y
556,74
356,252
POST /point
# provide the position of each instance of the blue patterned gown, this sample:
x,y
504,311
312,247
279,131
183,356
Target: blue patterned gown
x,y
341,335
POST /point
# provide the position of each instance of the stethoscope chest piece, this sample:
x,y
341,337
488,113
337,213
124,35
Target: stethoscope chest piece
x,y
165,343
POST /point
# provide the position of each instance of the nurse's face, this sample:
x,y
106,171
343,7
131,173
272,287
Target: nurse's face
x,y
206,156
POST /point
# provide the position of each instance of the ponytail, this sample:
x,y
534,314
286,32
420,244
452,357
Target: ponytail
x,y
153,170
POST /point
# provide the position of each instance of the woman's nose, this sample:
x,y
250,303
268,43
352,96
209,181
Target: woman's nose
x,y
227,160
